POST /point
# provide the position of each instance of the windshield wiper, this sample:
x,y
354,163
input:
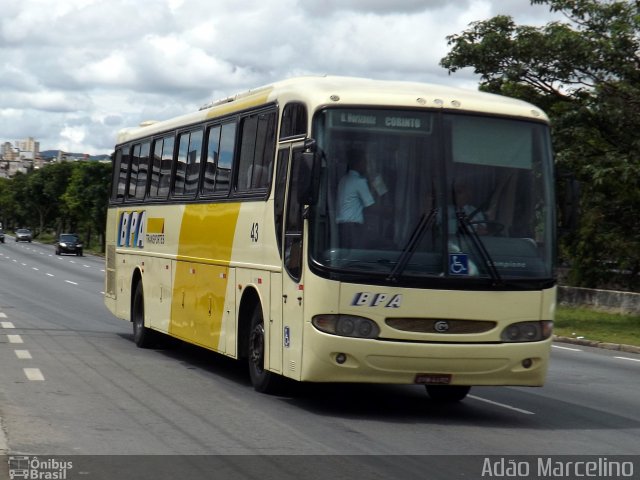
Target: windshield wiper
x,y
426,221
467,228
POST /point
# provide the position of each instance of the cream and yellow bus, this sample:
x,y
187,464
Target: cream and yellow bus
x,y
329,229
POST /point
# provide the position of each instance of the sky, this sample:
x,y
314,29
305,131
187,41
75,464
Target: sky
x,y
75,72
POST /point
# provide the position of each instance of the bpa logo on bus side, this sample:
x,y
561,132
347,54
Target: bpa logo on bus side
x,y
131,229
366,299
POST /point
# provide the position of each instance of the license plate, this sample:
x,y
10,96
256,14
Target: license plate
x,y
433,378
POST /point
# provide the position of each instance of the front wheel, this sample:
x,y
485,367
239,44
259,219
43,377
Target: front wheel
x,y
447,393
142,336
262,380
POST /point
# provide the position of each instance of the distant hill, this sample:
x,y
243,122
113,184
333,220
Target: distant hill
x,y
54,154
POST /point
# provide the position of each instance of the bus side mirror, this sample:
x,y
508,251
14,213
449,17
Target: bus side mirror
x,y
306,173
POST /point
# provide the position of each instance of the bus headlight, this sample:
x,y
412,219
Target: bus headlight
x,y
527,331
346,326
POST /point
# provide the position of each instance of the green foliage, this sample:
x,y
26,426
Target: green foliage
x,y
69,196
585,74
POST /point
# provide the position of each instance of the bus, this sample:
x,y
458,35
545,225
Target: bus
x,y
237,228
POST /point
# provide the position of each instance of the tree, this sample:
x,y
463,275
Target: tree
x,y
585,73
44,190
7,203
68,196
86,198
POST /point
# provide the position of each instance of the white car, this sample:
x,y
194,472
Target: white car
x,y
24,235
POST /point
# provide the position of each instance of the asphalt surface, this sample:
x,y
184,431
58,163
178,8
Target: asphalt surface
x,y
74,383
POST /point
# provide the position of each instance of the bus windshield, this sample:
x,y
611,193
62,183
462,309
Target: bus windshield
x,y
412,196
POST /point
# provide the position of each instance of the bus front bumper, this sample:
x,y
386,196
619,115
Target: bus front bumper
x,y
342,359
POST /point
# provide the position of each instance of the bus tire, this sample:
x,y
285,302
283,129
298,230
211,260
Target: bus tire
x,y
142,336
447,393
262,380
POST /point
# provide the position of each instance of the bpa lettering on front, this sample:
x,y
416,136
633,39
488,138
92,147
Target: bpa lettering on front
x,y
366,299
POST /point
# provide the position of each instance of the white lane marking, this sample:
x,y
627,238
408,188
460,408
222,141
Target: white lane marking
x,y
508,407
86,266
36,269
72,283
7,325
50,275
33,374
23,354
567,348
14,339
627,358
3,315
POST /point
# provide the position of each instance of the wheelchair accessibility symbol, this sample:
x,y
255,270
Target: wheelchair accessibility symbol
x,y
458,264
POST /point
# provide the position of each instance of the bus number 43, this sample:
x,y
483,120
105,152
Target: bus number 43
x,y
254,232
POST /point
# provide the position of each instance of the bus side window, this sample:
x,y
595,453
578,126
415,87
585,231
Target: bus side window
x,y
213,153
155,168
294,120
165,166
225,159
143,170
193,163
256,151
133,171
181,164
119,175
188,163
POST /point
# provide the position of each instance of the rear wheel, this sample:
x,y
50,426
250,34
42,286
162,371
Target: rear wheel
x,y
261,379
447,393
142,336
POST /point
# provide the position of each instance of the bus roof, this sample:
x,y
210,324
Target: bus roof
x,y
321,91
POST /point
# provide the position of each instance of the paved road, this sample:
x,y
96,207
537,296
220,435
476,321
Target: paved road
x,y
73,382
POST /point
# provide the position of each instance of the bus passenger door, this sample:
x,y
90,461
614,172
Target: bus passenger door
x,y
289,224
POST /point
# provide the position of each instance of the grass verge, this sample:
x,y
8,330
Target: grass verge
x,y
598,326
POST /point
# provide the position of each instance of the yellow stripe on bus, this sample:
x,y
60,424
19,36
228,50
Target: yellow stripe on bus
x,y
199,288
260,98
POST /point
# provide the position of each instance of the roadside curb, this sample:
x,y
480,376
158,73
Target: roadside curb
x,y
594,343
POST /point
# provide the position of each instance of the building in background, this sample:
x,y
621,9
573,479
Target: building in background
x,y
25,155
20,157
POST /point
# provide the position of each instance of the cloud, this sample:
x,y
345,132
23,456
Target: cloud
x,y
74,72
333,7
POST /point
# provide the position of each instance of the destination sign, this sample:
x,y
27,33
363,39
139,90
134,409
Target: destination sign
x,y
391,120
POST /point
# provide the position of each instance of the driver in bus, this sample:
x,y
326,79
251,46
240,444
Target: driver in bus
x,y
354,196
463,201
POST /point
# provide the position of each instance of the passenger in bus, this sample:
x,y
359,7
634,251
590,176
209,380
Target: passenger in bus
x,y
353,197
